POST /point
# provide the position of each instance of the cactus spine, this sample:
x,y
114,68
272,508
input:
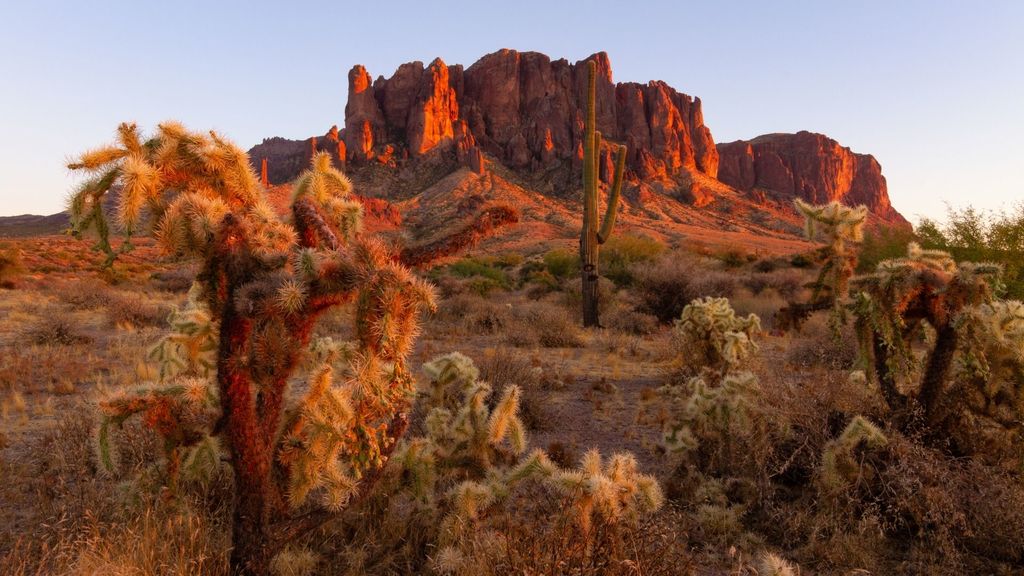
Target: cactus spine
x,y
595,233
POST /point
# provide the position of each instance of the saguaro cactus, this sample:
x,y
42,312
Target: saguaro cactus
x,y
591,237
263,174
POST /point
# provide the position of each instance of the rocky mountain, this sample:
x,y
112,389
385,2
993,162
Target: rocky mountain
x,y
523,111
809,166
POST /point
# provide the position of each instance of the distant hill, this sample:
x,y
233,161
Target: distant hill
x,y
32,225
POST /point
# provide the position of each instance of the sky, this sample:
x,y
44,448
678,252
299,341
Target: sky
x,y
933,89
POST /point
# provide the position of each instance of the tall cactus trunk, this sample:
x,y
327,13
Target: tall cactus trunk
x,y
590,237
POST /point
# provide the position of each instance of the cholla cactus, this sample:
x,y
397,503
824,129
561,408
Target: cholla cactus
x,y
926,286
990,375
264,282
482,449
710,336
190,348
461,425
610,492
838,226
709,417
840,464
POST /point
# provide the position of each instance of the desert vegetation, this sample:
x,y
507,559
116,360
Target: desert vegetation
x,y
228,389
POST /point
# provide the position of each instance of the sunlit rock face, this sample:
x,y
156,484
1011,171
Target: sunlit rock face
x,y
809,166
527,110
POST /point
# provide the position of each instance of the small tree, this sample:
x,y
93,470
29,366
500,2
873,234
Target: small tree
x,y
264,282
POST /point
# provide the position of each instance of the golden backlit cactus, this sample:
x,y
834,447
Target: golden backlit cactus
x,y
461,424
473,458
263,283
838,226
711,337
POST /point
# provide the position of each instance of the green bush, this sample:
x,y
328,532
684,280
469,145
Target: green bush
x,y
975,236
882,244
621,252
480,268
562,263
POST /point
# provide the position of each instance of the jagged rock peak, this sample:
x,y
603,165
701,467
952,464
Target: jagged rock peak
x,y
526,110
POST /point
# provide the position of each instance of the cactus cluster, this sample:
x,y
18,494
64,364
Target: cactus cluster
x,y
473,456
263,283
711,337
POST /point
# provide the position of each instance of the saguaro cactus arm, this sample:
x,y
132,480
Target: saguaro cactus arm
x,y
612,210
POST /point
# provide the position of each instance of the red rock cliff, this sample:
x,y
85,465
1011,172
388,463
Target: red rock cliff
x,y
810,166
525,109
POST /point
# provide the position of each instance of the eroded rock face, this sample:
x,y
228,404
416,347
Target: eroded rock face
x,y
809,166
526,110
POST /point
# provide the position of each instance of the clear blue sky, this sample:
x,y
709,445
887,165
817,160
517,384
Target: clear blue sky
x,y
935,90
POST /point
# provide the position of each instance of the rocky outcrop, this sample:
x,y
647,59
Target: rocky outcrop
x,y
809,166
526,110
523,111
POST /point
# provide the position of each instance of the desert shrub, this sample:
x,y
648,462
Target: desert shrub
x,y
83,294
543,324
788,283
476,314
802,260
177,279
734,257
631,321
134,311
11,265
668,284
622,251
818,345
55,328
505,368
562,263
485,270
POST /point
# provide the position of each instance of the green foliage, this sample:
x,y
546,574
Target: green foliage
x,y
709,336
561,263
883,243
972,235
620,253
485,270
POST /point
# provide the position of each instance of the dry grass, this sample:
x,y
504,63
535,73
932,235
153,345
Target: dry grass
x,y
913,510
